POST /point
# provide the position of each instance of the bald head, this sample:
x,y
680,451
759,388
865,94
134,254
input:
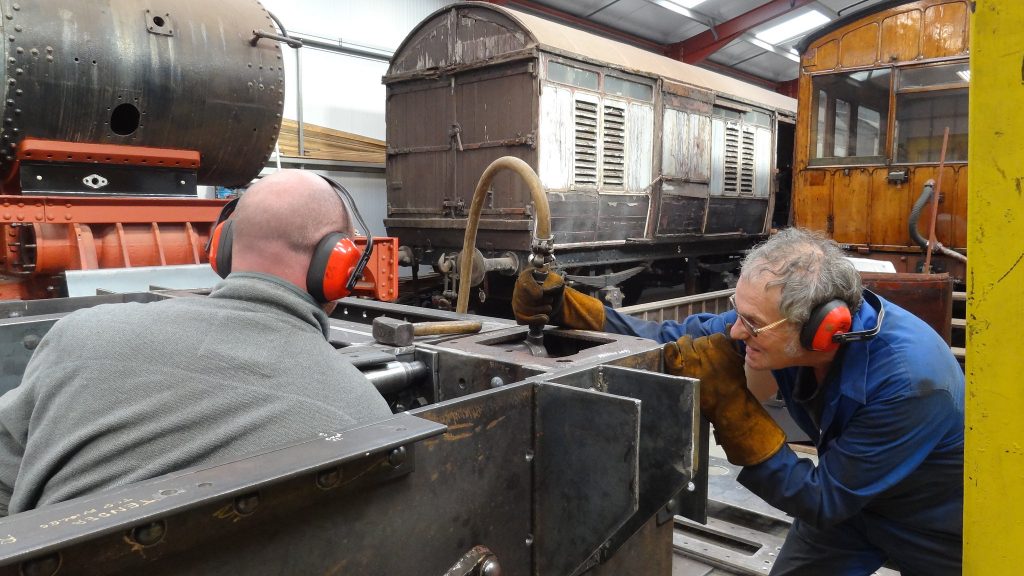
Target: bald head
x,y
279,221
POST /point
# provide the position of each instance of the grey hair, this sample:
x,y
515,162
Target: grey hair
x,y
810,268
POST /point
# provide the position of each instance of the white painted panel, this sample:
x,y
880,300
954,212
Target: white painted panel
x,y
717,156
762,162
374,24
699,141
675,144
639,147
339,91
555,138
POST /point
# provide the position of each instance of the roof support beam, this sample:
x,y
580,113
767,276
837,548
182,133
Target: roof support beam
x,y
698,48
581,23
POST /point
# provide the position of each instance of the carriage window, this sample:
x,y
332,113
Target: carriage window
x,y
951,75
635,90
931,99
850,112
758,117
580,77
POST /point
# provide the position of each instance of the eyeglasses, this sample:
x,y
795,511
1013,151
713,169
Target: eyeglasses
x,y
754,330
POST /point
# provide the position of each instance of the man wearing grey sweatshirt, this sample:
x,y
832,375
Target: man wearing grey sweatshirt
x,y
126,392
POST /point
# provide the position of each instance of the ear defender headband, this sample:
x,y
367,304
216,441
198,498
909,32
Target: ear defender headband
x,y
830,323
337,263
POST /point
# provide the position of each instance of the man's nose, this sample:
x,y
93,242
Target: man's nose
x,y
739,331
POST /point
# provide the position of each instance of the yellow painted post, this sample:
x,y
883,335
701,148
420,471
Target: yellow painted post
x,y
994,456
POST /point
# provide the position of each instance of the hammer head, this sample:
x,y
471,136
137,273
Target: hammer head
x,y
392,332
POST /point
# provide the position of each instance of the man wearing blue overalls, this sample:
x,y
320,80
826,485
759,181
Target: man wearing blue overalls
x,y
874,387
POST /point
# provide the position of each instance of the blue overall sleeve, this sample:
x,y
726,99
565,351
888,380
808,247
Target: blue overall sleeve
x,y
695,325
885,442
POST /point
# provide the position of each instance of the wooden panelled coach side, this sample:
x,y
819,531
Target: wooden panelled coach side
x,y
876,92
643,158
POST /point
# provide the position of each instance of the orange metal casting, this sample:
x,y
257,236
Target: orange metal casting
x,y
380,277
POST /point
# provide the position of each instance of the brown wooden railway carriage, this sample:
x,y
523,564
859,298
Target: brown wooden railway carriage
x,y
643,158
876,92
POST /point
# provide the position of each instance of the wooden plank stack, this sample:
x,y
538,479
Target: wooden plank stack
x,y
327,144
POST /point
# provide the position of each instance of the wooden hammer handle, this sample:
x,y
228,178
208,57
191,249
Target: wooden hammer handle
x,y
446,327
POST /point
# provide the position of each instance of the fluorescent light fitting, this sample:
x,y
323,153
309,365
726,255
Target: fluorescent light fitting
x,y
685,3
965,75
793,27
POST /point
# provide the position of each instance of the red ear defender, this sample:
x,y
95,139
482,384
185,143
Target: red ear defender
x,y
826,323
218,247
336,266
219,251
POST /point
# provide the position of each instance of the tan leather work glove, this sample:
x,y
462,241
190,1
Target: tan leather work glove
x,y
742,426
552,302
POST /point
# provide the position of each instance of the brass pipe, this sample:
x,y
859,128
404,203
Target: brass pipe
x,y
542,235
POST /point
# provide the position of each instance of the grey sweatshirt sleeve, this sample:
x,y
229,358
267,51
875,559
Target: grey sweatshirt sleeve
x,y
12,432
16,407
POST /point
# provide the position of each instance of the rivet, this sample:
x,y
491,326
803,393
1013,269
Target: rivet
x,y
326,479
17,27
12,60
30,341
149,534
247,504
19,50
9,16
397,457
16,6
45,566
34,52
68,217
